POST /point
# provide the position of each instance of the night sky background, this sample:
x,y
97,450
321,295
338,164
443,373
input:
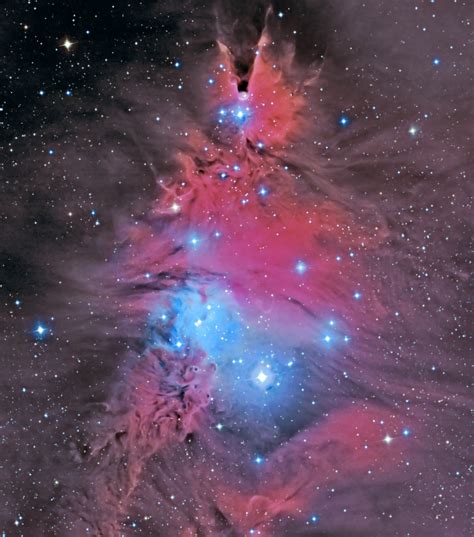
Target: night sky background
x,y
235,268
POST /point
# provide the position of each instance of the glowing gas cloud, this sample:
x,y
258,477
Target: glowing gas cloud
x,y
234,270
242,279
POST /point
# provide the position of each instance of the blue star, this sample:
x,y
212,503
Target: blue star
x,y
301,267
344,121
40,331
194,241
436,61
241,115
357,295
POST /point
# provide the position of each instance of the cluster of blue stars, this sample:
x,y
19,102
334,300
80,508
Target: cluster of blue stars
x,y
334,336
237,115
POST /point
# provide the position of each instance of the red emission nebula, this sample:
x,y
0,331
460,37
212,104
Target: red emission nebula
x,y
242,235
234,266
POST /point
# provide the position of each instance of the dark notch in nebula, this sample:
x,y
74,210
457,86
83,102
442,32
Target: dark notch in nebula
x,y
244,241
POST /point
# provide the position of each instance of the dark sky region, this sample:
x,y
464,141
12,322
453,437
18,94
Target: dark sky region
x,y
235,268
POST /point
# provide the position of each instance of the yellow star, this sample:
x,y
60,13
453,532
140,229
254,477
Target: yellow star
x,y
67,44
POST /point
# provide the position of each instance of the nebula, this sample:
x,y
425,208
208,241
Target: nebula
x,y
257,325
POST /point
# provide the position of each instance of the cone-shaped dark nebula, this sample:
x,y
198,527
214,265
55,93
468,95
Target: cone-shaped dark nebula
x,y
235,268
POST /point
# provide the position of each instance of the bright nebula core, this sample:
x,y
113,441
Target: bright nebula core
x,y
235,269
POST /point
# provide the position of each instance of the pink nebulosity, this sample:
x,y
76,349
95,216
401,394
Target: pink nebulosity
x,y
235,224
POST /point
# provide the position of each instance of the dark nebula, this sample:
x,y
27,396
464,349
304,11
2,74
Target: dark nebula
x,y
235,268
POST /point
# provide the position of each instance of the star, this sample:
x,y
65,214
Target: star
x,y
388,439
175,207
194,241
262,377
40,331
301,267
67,44
344,121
